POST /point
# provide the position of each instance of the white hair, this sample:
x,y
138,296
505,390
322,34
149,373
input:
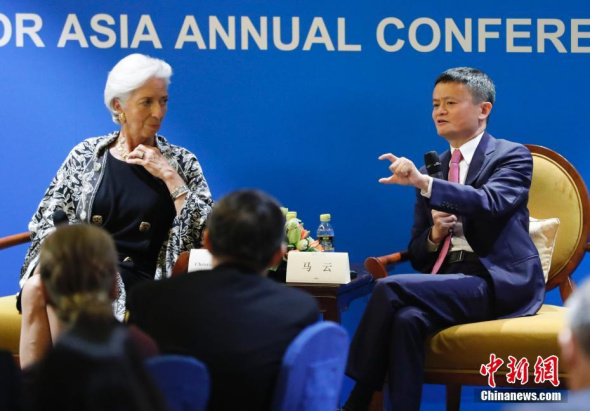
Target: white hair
x,y
130,73
578,315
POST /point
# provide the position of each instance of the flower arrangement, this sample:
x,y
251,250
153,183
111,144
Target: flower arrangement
x,y
298,238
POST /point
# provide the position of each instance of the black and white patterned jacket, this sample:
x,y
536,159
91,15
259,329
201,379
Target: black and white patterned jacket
x,y
74,188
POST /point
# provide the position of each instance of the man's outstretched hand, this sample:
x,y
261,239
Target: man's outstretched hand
x,y
404,173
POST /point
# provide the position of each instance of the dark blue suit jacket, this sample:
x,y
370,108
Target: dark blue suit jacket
x,y
237,322
493,206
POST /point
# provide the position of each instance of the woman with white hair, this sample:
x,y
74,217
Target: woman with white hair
x,y
150,195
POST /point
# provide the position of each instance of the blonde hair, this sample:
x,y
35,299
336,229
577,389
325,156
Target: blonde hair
x,y
78,269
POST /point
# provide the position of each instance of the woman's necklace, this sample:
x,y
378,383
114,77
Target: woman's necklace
x,y
122,152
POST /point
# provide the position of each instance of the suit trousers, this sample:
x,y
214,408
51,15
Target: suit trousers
x,y
402,312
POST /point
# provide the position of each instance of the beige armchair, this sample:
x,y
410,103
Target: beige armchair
x,y
10,318
454,355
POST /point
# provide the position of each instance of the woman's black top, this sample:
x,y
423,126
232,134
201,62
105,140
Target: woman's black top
x,y
136,209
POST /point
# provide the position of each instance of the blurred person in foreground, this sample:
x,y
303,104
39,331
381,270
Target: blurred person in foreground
x,y
150,195
96,363
574,341
233,318
470,242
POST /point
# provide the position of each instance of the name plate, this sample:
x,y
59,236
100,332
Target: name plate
x,y
311,267
199,259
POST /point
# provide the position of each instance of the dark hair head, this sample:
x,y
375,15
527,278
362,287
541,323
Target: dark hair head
x,y
479,84
246,227
78,267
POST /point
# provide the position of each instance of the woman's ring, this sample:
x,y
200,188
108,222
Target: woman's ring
x,y
142,155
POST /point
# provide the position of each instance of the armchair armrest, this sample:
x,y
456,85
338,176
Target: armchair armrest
x,y
568,286
377,266
15,239
181,264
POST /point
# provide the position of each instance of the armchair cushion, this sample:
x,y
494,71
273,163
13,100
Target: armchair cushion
x,y
544,234
465,347
11,322
558,191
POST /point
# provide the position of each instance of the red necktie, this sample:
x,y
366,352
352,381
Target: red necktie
x,y
453,178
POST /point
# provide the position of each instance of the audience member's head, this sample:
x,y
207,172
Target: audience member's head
x,y
94,368
575,338
246,227
78,266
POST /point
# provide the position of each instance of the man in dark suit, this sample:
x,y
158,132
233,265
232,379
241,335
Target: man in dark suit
x,y
471,232
232,318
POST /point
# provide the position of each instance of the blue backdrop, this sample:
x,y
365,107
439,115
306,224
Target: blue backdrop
x,y
302,108
297,98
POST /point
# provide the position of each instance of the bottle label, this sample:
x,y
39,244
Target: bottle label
x,y
327,242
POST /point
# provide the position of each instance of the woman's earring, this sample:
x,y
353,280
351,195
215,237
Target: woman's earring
x,y
121,117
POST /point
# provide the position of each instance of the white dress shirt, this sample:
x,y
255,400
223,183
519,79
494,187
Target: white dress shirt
x,y
458,241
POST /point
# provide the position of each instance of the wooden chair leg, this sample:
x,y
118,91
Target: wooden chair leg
x,y
566,288
377,402
453,397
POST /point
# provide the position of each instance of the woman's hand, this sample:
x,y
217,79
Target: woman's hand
x,y
156,164
152,160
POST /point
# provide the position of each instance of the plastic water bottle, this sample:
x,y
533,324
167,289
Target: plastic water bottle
x,y
325,233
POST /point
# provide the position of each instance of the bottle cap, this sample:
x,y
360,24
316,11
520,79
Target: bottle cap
x,y
325,217
290,215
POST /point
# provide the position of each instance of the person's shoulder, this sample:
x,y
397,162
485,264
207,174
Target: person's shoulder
x,y
178,281
142,342
155,292
90,144
269,286
291,296
510,145
508,149
507,145
177,150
